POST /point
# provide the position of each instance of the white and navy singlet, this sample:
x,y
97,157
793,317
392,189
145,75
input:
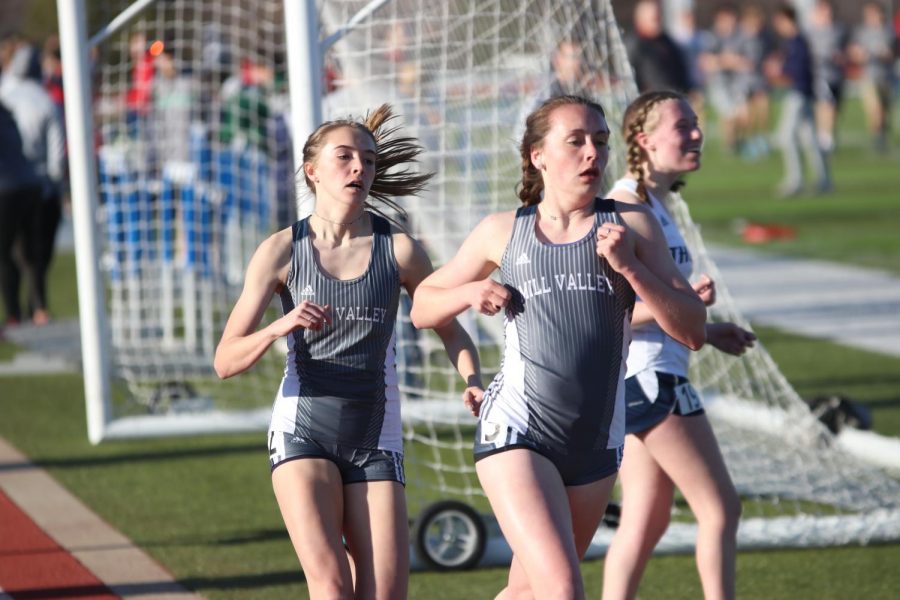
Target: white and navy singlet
x,y
560,387
340,383
651,348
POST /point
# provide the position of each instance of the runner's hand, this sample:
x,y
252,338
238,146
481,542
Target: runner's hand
x,y
706,289
488,297
613,245
729,338
306,315
472,398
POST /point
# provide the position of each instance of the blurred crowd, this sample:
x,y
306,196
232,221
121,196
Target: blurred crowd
x,y
731,69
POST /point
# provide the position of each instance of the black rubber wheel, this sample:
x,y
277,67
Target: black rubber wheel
x,y
449,535
167,393
612,515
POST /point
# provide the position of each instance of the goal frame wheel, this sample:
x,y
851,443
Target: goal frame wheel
x,y
612,515
459,541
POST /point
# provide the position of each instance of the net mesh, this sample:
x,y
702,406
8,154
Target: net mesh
x,y
195,170
195,167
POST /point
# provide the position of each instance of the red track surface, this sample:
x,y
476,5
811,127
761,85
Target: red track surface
x,y
34,566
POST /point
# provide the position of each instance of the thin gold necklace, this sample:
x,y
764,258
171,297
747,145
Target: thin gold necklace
x,y
549,216
341,222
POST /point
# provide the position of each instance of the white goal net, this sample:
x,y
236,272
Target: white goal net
x,y
195,168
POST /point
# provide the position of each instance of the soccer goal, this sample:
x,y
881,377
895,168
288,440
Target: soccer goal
x,y
194,103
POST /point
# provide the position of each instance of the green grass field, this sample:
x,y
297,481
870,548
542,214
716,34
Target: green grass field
x,y
204,508
857,224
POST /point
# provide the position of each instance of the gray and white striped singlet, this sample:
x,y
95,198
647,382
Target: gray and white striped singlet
x,y
567,335
340,383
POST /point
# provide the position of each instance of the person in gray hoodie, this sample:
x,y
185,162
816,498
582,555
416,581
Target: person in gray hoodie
x,y
42,141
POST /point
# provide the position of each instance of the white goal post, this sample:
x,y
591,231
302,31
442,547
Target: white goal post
x,y
305,76
185,129
96,365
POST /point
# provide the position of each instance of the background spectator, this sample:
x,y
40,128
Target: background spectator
x,y
139,94
18,188
246,103
658,61
793,68
41,131
757,43
872,49
173,98
828,42
692,40
724,66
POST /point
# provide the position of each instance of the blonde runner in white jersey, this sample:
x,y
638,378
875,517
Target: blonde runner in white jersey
x,y
670,442
650,347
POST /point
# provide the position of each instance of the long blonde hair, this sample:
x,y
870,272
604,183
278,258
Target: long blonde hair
x,y
391,151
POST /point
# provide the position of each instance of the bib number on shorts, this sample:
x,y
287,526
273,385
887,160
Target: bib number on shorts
x,y
687,398
490,432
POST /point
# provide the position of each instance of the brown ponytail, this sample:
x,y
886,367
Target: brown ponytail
x,y
391,151
536,127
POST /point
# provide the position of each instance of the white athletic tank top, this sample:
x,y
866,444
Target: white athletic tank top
x,y
651,349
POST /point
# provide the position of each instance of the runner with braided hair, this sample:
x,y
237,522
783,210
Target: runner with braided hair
x,y
670,442
639,118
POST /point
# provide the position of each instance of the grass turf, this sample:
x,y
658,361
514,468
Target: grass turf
x,y
857,224
204,507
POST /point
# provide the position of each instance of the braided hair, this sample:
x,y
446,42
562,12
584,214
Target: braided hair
x,y
390,151
641,117
537,125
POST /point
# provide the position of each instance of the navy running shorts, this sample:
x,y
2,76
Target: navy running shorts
x,y
673,394
575,468
354,464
